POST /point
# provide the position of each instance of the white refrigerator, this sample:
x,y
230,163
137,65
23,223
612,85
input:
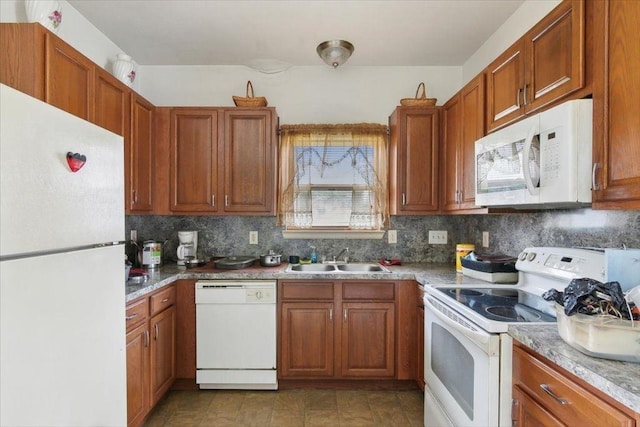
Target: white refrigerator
x,y
62,291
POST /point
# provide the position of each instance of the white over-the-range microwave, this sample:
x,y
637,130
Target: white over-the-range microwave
x,y
543,161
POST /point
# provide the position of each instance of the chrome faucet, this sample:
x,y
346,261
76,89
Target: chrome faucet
x,y
336,258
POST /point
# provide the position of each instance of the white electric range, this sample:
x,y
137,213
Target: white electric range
x,y
467,348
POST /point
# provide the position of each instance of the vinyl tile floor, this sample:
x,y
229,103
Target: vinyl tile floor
x,y
340,408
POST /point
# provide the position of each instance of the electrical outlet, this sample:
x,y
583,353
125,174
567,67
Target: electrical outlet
x,y
253,237
134,235
392,236
485,239
438,237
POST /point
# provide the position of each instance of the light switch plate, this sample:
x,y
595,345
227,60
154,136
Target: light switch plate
x,y
485,239
392,236
437,237
253,237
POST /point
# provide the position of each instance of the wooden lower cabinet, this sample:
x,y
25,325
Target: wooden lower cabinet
x,y
137,375
151,337
307,339
354,329
546,395
368,339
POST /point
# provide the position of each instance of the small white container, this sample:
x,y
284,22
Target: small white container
x,y
606,337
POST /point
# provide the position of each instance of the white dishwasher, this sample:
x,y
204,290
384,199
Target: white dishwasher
x,y
236,334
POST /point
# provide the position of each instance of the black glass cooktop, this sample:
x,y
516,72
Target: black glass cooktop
x,y
501,304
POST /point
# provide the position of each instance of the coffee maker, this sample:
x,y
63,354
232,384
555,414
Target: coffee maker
x,y
187,245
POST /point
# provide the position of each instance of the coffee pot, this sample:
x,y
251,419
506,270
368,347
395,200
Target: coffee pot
x,y
187,245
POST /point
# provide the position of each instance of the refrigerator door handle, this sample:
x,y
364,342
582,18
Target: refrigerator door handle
x,y
60,251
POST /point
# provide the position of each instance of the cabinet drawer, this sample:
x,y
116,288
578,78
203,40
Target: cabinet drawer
x,y
368,291
580,406
307,290
163,299
136,313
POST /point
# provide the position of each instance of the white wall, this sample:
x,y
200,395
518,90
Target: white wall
x,y
312,94
525,17
75,29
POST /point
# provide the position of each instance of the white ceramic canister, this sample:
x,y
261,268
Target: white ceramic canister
x,y
124,69
46,12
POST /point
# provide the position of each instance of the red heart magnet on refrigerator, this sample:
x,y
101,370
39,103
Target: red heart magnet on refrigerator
x,y
76,161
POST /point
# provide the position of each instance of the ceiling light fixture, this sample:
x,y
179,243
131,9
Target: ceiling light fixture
x,y
335,52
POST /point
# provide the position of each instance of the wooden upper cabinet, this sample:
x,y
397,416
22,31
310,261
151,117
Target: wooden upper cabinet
x,y
194,160
462,125
22,53
250,159
616,103
69,78
546,64
112,104
413,160
139,157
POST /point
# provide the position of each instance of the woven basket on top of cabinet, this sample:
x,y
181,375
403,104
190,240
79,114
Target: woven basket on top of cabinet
x,y
250,100
419,100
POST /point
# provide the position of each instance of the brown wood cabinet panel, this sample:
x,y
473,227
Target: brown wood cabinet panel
x,y
310,290
162,328
186,329
70,78
112,104
138,398
462,124
616,139
414,160
250,161
162,299
306,339
531,374
136,313
22,58
139,156
505,83
526,412
406,330
368,290
545,65
368,339
194,160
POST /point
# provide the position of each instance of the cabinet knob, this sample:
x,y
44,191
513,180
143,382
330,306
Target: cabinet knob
x,y
213,200
524,93
594,185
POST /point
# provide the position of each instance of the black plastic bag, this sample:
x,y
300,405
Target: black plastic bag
x,y
588,296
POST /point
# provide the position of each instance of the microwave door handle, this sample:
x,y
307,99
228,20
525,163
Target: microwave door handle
x,y
477,337
528,182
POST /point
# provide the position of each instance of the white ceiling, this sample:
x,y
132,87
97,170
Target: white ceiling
x,y
228,32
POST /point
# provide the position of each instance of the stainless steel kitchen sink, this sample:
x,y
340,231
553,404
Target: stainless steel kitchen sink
x,y
337,268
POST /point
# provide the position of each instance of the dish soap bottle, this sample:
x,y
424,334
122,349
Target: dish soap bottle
x,y
314,255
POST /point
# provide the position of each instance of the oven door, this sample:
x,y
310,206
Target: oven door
x,y
461,371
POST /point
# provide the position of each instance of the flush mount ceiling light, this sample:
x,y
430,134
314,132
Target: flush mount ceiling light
x,y
335,52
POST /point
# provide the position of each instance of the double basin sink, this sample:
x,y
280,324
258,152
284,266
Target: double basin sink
x,y
337,268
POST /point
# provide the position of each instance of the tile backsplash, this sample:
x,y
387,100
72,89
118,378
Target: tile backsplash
x,y
508,233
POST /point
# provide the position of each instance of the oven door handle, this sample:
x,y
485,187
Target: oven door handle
x,y
479,337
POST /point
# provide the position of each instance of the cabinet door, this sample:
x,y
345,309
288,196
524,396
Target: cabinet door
x,y
22,57
555,50
451,149
137,375
249,161
139,154
414,180
69,78
306,339
194,160
112,104
162,328
368,344
616,142
473,118
505,81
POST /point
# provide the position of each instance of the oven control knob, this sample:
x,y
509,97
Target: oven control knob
x,y
532,256
523,256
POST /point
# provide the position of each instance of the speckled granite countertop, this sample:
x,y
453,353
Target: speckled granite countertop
x,y
620,380
426,274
